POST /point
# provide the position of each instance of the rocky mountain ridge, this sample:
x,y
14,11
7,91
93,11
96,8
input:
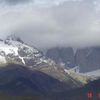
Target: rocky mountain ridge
x,y
87,59
13,49
25,71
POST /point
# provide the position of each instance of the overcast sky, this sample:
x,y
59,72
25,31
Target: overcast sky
x,y
49,23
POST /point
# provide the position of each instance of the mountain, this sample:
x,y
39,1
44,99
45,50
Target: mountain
x,y
21,82
25,73
63,55
14,51
87,59
17,82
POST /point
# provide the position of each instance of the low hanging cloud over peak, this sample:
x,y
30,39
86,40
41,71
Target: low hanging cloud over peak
x,y
68,23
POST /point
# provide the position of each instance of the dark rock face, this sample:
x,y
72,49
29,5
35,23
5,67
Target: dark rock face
x,y
14,38
65,55
30,62
88,59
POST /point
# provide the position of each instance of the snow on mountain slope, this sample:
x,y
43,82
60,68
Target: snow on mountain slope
x,y
14,49
7,49
95,73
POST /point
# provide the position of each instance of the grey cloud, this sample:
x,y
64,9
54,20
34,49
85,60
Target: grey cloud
x,y
15,2
72,23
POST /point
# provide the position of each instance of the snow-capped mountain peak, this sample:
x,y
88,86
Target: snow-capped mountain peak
x,y
14,49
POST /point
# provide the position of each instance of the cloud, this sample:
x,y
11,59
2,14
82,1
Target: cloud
x,y
14,2
71,23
